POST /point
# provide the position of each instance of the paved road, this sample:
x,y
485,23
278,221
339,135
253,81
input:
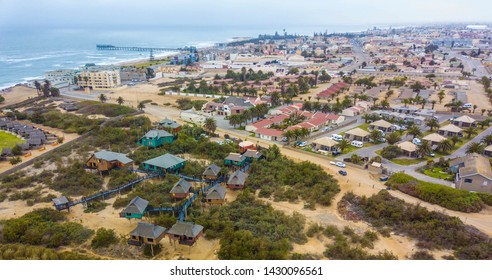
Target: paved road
x,y
462,150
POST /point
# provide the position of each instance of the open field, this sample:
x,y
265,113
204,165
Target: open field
x,y
8,140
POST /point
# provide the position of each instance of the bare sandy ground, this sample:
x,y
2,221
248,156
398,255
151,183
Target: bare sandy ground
x,y
17,94
477,96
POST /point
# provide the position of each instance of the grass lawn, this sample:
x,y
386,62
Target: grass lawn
x,y
408,161
436,172
8,140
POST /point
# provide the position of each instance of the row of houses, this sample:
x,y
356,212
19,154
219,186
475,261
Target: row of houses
x,y
332,90
34,137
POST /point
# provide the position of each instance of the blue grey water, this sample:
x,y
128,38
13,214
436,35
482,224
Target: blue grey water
x,y
26,53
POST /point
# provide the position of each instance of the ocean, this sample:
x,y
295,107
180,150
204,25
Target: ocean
x,y
26,53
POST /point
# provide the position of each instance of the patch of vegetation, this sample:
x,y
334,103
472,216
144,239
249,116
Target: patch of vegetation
x,y
137,121
29,252
342,250
186,103
106,109
44,227
422,255
104,238
156,193
251,229
73,180
433,230
120,177
287,180
450,198
69,123
8,140
95,206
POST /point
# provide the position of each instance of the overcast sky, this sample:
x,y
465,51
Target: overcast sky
x,y
79,13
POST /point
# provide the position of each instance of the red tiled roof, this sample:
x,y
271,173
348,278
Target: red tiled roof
x,y
269,132
262,123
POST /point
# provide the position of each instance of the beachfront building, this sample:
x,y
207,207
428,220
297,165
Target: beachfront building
x,y
156,138
234,159
449,130
434,139
166,163
237,180
146,233
216,195
135,209
409,149
187,233
212,172
464,121
357,134
99,79
181,189
170,126
107,160
61,78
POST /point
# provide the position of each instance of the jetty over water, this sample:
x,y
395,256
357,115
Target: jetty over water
x,y
143,49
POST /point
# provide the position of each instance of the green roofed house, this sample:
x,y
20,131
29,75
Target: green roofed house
x,y
186,233
146,233
135,209
235,160
251,155
170,126
166,163
156,138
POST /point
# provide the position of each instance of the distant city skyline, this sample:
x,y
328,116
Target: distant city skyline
x,y
126,13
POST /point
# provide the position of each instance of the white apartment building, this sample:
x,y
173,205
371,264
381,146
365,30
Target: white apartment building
x,y
100,79
61,78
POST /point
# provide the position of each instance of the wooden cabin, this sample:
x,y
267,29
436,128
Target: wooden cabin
x,y
216,195
181,189
187,233
237,180
252,155
107,160
60,203
170,126
234,159
166,163
135,209
212,172
146,233
156,138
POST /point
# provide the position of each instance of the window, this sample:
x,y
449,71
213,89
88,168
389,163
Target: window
x,y
468,180
150,240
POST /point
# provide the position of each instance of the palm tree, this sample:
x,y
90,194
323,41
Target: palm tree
x,y
102,98
304,132
487,140
470,131
120,100
475,147
375,135
423,102
234,120
484,123
55,92
38,87
210,125
289,134
366,117
385,104
424,148
393,138
455,139
441,96
141,106
474,108
415,131
374,100
342,145
446,146
432,123
433,102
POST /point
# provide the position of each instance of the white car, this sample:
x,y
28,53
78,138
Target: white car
x,y
303,144
340,164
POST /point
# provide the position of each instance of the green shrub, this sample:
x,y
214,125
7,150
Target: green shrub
x,y
106,109
74,180
314,229
104,238
453,199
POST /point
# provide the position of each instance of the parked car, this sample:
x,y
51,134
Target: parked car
x,y
333,163
340,164
403,127
337,137
302,144
284,139
417,141
383,178
342,172
357,144
335,153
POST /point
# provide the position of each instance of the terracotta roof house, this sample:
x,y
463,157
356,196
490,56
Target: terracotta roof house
x,y
269,134
107,160
146,233
237,180
449,130
357,134
475,175
409,148
464,121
